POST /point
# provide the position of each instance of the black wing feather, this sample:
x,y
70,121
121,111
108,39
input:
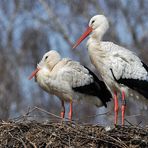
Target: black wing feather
x,y
96,88
145,66
141,86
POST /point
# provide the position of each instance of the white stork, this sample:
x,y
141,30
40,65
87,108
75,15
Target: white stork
x,y
120,68
68,79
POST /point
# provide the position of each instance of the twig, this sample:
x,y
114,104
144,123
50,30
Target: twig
x,y
56,20
23,116
20,140
139,123
99,114
128,122
120,142
31,143
135,115
51,114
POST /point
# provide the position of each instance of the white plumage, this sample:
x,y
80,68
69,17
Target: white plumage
x,y
124,63
120,68
68,79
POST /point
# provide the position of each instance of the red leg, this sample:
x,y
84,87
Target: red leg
x,y
70,111
123,106
115,107
63,109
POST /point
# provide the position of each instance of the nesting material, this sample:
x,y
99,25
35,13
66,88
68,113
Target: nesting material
x,y
32,134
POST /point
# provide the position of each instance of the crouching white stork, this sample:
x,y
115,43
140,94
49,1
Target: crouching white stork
x,y
120,68
68,79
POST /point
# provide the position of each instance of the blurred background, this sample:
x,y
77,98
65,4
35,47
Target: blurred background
x,y
30,28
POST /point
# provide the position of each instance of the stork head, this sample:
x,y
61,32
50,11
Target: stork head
x,y
98,25
49,60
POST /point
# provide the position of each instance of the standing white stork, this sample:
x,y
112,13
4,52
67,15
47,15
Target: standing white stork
x,y
120,68
68,79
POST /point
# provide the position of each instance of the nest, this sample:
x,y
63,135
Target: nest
x,y
32,134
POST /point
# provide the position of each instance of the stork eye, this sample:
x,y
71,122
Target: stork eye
x,y
46,57
92,21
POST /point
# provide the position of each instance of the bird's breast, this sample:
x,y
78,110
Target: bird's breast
x,y
52,85
41,78
103,66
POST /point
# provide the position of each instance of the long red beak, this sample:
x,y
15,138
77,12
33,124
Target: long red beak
x,y
83,36
33,73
